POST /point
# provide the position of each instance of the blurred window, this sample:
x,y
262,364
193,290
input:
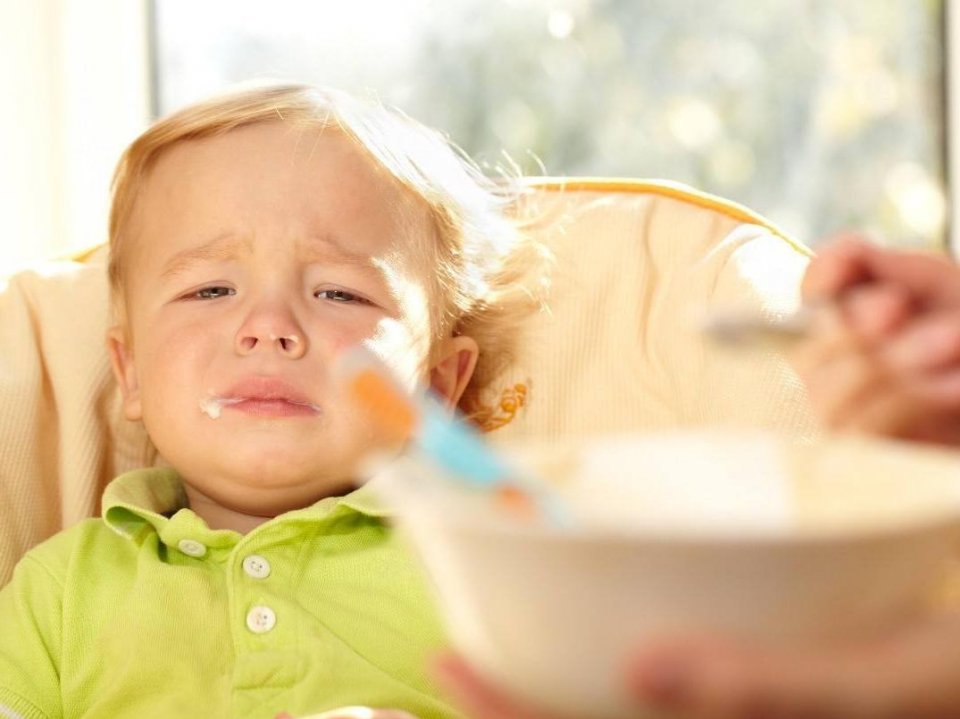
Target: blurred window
x,y
820,114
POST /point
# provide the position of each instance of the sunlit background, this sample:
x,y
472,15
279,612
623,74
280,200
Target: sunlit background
x,y
820,114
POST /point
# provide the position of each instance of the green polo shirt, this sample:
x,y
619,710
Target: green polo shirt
x,y
150,613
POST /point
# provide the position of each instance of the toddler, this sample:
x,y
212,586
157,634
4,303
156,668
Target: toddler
x,y
252,237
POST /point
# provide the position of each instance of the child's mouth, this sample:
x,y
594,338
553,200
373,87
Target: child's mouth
x,y
260,397
267,407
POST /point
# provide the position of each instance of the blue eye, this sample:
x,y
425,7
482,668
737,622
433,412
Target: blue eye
x,y
340,296
212,293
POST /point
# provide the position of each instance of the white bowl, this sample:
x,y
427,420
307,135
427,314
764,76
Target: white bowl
x,y
735,533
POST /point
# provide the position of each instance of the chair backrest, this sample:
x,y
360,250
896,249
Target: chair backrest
x,y
638,266
636,263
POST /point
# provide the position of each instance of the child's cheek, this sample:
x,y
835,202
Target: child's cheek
x,y
400,349
335,342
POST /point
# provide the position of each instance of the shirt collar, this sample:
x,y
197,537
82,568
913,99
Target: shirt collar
x,y
147,498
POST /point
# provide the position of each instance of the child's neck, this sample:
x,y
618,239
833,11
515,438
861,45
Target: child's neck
x,y
219,517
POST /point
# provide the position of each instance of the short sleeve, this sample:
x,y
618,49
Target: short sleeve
x,y
30,643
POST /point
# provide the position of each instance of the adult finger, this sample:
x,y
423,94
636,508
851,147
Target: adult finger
x,y
837,372
933,280
936,401
941,390
913,673
839,265
827,340
876,311
888,411
858,398
927,343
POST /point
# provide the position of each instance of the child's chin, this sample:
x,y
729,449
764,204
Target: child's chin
x,y
271,502
294,471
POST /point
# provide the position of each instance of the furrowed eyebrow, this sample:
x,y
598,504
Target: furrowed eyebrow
x,y
223,248
329,249
325,249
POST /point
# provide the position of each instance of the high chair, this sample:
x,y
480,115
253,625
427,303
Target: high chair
x,y
636,264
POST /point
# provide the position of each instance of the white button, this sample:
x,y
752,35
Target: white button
x,y
191,548
256,566
261,620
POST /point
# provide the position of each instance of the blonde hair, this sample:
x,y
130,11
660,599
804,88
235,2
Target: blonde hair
x,y
489,272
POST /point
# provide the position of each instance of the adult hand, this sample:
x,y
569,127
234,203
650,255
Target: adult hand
x,y
913,673
884,356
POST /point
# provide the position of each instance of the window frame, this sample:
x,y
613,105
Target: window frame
x,y
950,26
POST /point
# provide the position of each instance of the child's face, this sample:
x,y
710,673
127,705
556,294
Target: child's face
x,y
255,257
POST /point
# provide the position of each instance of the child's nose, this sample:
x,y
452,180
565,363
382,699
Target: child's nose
x,y
271,334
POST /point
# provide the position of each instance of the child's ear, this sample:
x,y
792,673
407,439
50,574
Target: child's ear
x,y
453,368
125,371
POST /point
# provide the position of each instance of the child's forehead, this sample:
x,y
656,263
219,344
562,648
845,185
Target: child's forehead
x,y
272,171
266,152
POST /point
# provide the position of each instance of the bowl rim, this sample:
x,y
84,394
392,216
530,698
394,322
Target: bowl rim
x,y
691,537
929,517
